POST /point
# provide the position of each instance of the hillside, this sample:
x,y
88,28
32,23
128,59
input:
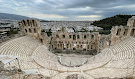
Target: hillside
x,y
107,23
12,16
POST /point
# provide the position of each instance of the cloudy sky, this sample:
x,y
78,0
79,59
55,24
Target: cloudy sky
x,y
68,9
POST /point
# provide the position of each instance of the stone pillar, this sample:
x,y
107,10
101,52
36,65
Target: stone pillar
x,y
113,35
122,32
129,31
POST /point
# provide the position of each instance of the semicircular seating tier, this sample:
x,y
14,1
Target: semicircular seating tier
x,y
117,60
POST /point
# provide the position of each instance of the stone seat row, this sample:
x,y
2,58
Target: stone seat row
x,y
23,48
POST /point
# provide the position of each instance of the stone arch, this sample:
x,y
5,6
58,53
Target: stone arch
x,y
30,30
61,45
35,30
84,47
57,36
63,36
78,36
67,46
33,22
125,32
36,25
74,46
77,46
58,45
92,36
84,36
132,32
28,22
26,30
81,46
41,40
74,37
24,22
70,36
52,46
134,23
91,46
118,32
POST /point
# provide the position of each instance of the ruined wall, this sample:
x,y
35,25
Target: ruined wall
x,y
31,27
75,41
119,33
104,41
84,41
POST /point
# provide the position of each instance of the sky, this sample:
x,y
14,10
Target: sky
x,y
68,10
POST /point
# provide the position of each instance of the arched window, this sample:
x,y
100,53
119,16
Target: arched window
x,y
41,40
33,22
24,23
26,30
63,36
30,30
28,22
84,36
92,36
35,30
132,32
78,36
74,37
118,32
126,32
134,24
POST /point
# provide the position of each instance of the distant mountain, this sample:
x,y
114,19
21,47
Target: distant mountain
x,y
12,16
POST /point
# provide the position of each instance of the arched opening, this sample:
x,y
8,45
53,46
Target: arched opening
x,y
58,45
34,30
26,30
64,46
118,32
77,46
70,36
92,36
52,46
125,32
78,36
84,36
30,30
63,36
67,46
91,46
84,49
81,46
88,47
24,23
74,37
33,22
36,25
57,36
132,32
74,48
41,40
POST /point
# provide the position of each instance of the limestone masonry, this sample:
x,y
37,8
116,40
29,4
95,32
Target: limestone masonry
x,y
87,41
